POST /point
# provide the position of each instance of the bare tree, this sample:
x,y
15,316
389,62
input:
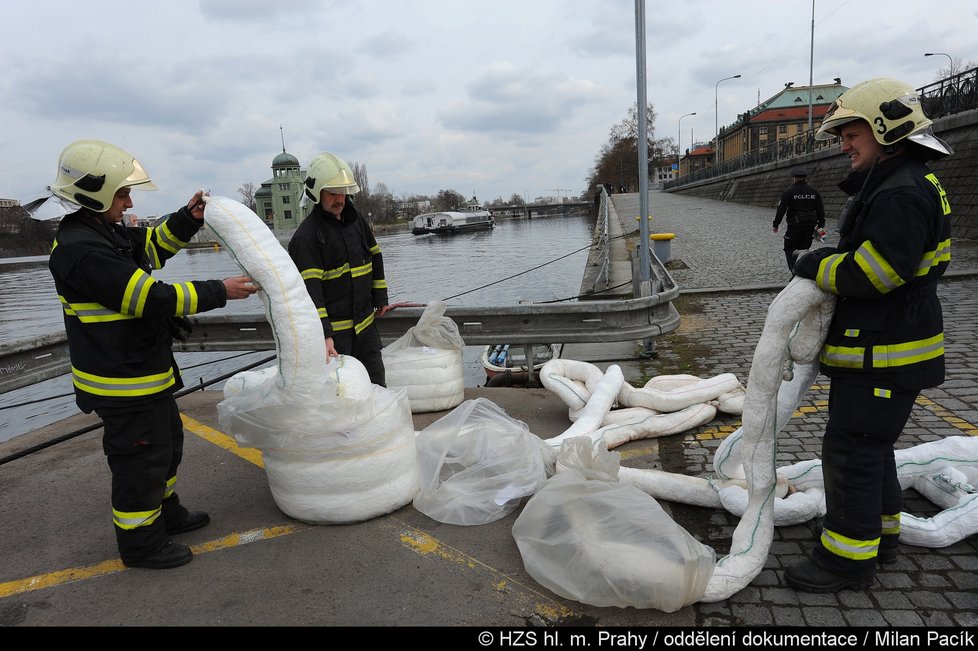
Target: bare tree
x,y
617,162
247,192
360,176
448,200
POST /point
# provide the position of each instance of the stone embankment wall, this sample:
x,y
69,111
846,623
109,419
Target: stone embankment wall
x,y
762,186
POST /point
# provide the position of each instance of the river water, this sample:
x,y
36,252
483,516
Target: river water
x,y
419,269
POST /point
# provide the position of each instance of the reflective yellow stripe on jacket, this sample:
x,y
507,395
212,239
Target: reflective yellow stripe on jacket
x,y
908,353
875,267
166,238
134,298
91,312
348,324
884,356
124,387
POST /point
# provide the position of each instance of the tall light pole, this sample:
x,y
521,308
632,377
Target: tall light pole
x,y
950,61
811,68
645,269
716,119
679,143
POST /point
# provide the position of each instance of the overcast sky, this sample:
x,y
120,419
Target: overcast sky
x,y
486,98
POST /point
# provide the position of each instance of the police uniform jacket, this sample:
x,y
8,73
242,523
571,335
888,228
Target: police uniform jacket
x,y
343,269
117,316
895,243
803,205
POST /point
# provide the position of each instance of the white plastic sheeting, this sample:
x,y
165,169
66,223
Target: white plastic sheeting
x,y
590,538
336,448
427,362
477,464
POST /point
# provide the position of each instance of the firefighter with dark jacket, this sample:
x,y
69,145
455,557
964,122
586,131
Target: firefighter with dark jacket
x,y
886,339
120,323
802,204
335,251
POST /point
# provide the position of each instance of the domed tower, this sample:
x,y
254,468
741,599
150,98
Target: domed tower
x,y
277,201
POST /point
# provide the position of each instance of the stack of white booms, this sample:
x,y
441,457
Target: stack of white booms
x,y
336,448
427,362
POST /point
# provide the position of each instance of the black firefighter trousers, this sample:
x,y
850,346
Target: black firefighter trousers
x,y
859,471
144,446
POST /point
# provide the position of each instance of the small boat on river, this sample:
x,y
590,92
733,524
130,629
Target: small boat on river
x,y
511,358
450,222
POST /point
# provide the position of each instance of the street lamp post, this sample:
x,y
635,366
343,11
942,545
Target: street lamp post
x,y
950,61
679,143
716,119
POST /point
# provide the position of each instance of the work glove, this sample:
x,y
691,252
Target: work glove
x,y
180,327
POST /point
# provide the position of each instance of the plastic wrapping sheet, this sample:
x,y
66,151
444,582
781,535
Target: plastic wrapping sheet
x,y
587,537
476,464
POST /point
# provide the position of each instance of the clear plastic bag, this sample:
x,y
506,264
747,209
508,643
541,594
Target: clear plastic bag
x,y
587,537
476,463
434,330
427,362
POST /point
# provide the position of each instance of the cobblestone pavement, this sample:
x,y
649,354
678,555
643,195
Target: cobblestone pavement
x,y
725,246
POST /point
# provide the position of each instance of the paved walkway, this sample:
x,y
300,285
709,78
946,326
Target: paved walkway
x,y
255,566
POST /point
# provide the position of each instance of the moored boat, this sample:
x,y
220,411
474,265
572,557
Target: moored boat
x,y
502,358
450,222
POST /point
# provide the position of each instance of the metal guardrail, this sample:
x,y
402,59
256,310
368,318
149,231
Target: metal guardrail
x,y
650,315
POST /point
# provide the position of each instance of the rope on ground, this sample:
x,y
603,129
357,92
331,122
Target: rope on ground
x,y
179,394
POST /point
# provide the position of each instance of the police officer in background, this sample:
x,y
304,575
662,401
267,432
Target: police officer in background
x,y
886,339
803,205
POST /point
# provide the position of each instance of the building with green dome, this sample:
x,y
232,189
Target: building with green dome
x,y
277,200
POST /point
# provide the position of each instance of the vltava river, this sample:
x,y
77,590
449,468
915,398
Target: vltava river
x,y
418,268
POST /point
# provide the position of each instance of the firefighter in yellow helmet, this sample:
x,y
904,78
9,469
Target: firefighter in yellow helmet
x,y
335,251
120,326
886,340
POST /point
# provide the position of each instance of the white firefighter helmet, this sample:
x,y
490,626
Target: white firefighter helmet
x,y
91,171
891,107
331,173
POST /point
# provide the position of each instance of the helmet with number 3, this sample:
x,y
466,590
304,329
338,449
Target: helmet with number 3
x,y
891,107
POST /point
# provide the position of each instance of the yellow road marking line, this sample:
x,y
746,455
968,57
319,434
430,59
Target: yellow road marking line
x,y
948,416
427,545
222,440
74,574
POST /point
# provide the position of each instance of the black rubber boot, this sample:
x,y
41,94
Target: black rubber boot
x,y
170,555
886,555
809,577
193,520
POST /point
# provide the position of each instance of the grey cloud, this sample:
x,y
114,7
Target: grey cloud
x,y
386,44
511,100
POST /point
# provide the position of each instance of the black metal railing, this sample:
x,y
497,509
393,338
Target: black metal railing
x,y
950,95
945,97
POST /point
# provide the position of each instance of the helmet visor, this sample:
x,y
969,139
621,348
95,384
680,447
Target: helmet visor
x,y
138,179
835,117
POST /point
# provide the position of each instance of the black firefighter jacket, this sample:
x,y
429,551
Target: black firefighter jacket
x,y
895,243
343,269
117,316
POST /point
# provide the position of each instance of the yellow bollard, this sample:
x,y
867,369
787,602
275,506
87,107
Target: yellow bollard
x,y
662,246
